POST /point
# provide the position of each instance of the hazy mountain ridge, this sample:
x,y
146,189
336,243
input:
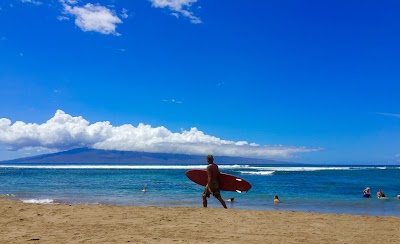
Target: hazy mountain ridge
x,y
88,155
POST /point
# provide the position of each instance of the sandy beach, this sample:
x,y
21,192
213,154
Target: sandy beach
x,y
60,223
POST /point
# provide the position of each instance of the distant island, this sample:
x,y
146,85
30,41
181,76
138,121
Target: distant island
x,y
96,156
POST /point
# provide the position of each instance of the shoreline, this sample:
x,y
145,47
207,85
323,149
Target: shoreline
x,y
62,223
364,207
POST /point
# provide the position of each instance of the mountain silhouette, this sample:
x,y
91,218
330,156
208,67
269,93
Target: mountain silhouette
x,y
93,156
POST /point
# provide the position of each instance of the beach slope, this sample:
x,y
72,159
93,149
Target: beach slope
x,y
61,223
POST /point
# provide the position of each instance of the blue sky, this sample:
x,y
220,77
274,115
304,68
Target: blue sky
x,y
303,81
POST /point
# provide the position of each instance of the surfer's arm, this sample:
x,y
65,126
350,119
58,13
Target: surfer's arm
x,y
209,175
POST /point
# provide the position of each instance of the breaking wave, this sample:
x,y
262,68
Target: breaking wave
x,y
187,167
257,172
40,201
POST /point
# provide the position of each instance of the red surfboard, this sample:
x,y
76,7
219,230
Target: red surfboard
x,y
226,182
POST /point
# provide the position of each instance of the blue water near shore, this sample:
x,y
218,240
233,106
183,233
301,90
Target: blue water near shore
x,y
324,189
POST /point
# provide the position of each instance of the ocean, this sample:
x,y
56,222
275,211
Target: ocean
x,y
312,188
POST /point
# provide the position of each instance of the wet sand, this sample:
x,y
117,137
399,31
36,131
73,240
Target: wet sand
x,y
61,223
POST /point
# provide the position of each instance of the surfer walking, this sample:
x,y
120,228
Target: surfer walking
x,y
212,186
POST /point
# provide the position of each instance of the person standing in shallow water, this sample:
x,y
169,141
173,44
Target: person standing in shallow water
x,y
212,186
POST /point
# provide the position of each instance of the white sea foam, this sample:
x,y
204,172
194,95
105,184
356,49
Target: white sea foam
x,y
39,201
235,166
257,172
168,167
6,195
119,166
318,168
299,168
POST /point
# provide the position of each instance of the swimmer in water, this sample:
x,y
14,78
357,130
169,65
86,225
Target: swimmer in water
x,y
380,194
367,192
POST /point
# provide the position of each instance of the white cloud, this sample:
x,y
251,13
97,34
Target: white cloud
x,y
124,13
60,132
68,1
64,132
391,115
32,1
178,6
96,18
62,18
172,101
104,20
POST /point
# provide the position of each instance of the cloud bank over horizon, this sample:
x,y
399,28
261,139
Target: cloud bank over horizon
x,y
63,132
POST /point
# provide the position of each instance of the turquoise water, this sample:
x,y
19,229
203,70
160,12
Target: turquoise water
x,y
327,189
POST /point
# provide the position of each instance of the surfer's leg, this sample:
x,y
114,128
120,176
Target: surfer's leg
x,y
204,201
217,195
206,194
221,201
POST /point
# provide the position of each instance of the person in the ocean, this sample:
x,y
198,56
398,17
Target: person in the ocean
x,y
231,200
144,189
380,194
212,186
367,192
276,199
